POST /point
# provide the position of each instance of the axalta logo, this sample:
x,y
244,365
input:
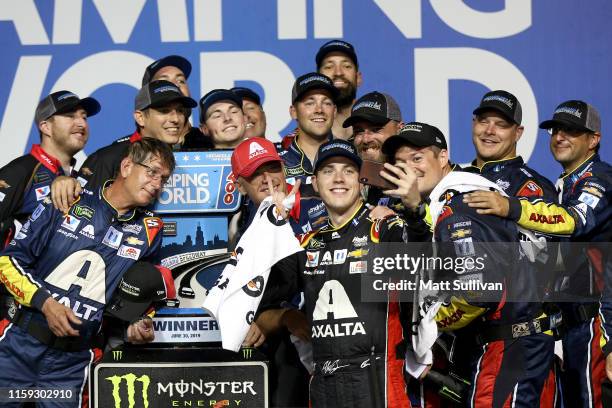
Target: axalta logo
x,y
547,219
255,149
452,319
334,304
130,390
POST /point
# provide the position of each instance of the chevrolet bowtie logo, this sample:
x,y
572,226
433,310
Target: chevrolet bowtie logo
x,y
462,233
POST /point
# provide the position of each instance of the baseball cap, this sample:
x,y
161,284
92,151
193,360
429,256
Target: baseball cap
x,y
217,95
575,114
375,107
416,134
334,148
250,154
247,93
62,102
312,80
502,102
160,93
169,61
339,46
142,285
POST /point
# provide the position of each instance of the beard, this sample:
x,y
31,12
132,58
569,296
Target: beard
x,y
346,96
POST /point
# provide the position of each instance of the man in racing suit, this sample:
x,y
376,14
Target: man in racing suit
x,y
61,119
63,267
159,111
585,216
313,108
503,366
354,343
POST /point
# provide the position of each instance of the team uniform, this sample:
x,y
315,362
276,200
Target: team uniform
x,y
354,343
503,343
77,258
313,214
586,215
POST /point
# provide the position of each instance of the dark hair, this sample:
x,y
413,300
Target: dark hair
x,y
146,147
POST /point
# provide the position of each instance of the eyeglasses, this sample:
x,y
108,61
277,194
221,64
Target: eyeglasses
x,y
154,174
571,131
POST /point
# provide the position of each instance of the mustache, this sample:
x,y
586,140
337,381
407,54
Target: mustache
x,y
374,144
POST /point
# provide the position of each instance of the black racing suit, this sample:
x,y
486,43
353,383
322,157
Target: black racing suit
x,y
354,342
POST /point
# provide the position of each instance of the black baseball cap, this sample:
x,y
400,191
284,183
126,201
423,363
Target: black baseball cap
x,y
336,147
160,93
374,107
62,102
575,114
217,95
502,102
169,61
246,93
338,46
416,134
312,80
142,286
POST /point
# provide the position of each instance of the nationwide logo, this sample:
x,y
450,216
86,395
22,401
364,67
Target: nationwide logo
x,y
367,104
133,228
547,219
132,397
499,98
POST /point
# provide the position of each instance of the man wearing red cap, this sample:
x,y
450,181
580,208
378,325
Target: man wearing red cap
x,y
259,173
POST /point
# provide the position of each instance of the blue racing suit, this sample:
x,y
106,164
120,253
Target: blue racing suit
x,y
78,258
585,214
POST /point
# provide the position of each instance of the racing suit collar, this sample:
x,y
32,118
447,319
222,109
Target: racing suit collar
x,y
582,166
356,214
295,147
47,160
109,207
517,160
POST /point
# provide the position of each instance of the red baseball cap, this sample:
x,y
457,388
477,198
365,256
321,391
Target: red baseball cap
x,y
252,153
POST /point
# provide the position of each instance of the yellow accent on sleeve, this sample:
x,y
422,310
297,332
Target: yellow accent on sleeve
x,y
457,314
16,281
546,218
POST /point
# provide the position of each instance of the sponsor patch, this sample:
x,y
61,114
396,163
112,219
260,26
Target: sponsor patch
x,y
589,199
39,210
530,189
312,259
464,247
254,287
128,252
133,228
112,238
327,258
358,267
360,241
134,241
335,235
88,231
358,253
152,226
170,229
593,190
339,256
461,233
70,223
42,192
446,211
83,211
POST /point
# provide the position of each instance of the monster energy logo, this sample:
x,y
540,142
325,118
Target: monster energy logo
x,y
117,355
247,352
83,211
130,380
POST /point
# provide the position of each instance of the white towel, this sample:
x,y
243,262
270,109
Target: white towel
x,y
235,297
